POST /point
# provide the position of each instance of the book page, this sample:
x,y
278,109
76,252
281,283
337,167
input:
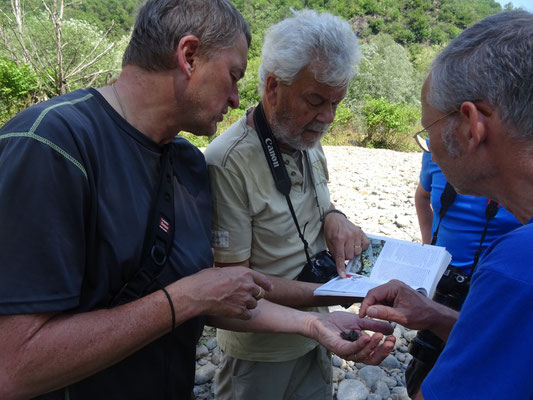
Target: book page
x,y
419,266
412,263
352,286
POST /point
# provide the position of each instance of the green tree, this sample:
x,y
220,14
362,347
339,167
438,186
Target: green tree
x,y
65,54
385,71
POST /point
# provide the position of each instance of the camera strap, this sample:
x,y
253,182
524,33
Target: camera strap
x,y
447,198
490,212
158,238
277,166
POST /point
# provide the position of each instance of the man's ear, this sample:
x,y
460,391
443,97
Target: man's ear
x,y
186,54
271,89
474,125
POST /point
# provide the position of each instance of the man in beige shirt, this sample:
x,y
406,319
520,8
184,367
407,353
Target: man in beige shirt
x,y
308,61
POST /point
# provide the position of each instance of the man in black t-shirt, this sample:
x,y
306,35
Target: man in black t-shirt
x,y
77,178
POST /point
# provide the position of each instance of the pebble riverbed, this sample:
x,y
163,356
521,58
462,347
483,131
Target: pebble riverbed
x,y
375,189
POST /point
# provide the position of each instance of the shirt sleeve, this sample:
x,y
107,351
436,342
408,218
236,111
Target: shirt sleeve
x,y
487,355
42,242
231,220
425,172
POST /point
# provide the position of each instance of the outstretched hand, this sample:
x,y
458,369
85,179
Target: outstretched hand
x,y
326,328
395,301
344,240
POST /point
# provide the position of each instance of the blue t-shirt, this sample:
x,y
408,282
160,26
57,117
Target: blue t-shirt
x,y
461,228
488,354
76,186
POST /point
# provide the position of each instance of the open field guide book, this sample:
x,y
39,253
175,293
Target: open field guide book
x,y
418,265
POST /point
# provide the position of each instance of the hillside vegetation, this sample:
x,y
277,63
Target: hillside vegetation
x,y
399,39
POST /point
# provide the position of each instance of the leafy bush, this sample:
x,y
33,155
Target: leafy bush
x,y
18,85
342,131
248,94
388,125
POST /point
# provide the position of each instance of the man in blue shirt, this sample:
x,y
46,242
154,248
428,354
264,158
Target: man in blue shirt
x,y
477,106
466,226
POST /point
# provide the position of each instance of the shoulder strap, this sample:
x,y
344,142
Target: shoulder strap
x,y
447,198
158,238
490,212
277,167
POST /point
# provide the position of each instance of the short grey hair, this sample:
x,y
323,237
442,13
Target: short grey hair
x,y
160,25
491,61
324,42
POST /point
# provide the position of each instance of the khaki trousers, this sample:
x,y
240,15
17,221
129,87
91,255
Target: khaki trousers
x,y
306,378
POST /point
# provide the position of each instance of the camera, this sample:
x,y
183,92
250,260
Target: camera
x,y
320,269
451,292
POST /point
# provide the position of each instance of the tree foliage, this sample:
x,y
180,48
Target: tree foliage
x,y
388,124
19,86
64,53
399,39
384,71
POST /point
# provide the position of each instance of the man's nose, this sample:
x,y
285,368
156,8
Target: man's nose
x,y
326,114
233,99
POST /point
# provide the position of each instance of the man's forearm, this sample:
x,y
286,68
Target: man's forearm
x,y
45,352
442,321
298,294
266,317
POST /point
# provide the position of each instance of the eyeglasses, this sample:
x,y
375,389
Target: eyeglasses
x,y
422,136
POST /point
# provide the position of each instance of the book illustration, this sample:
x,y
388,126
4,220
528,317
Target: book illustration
x,y
364,263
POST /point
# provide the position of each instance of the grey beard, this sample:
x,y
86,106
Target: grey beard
x,y
295,141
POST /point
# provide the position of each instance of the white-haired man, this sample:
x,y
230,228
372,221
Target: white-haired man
x,y
83,313
307,62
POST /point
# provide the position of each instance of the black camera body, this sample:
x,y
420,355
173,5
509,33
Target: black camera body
x,y
320,269
452,288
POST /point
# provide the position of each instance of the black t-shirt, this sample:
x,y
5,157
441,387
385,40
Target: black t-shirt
x,y
76,185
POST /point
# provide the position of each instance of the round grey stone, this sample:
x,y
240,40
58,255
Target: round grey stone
x,y
350,375
338,374
371,374
201,351
390,381
204,374
336,361
382,389
390,362
352,389
409,334
211,343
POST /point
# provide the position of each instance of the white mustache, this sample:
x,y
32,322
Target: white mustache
x,y
317,127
